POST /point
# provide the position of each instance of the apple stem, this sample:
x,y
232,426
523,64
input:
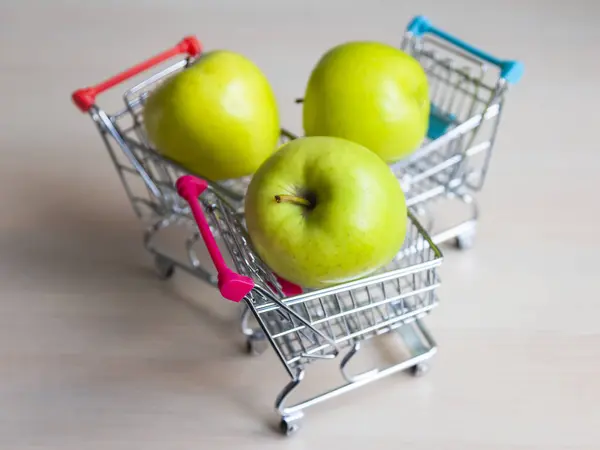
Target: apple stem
x,y
293,199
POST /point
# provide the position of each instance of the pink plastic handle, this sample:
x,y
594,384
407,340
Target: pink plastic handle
x,y
233,286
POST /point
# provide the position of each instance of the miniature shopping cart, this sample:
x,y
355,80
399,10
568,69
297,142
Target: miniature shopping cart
x,y
148,177
326,325
468,89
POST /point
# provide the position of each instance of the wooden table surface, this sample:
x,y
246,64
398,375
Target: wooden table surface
x,y
97,353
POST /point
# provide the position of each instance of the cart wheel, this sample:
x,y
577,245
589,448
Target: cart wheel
x,y
164,267
465,241
256,344
288,426
419,370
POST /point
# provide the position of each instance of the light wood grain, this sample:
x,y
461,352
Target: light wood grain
x,y
96,353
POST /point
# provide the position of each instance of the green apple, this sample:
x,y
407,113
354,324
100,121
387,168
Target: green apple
x,y
370,93
218,118
324,210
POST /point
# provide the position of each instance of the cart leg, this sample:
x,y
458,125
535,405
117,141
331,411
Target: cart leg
x,y
290,417
290,424
417,345
461,236
256,341
346,359
164,267
419,370
466,238
200,271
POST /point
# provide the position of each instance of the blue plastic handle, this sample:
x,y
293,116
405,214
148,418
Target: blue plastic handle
x,y
511,71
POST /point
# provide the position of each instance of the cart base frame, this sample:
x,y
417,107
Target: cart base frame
x,y
414,334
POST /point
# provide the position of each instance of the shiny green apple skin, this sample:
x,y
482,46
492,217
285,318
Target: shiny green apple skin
x,y
370,93
218,118
356,223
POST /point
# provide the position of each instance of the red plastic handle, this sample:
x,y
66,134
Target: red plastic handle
x,y
85,98
233,286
